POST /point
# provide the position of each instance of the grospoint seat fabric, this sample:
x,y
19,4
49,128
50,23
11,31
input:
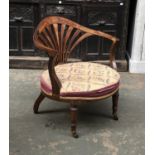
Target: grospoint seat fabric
x,y
82,79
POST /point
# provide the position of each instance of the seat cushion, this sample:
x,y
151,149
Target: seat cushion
x,y
82,79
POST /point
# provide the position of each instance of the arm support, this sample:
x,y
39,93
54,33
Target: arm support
x,y
55,82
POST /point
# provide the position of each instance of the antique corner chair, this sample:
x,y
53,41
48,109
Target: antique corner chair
x,y
77,81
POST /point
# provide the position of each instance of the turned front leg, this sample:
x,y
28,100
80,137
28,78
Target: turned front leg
x,y
73,111
115,105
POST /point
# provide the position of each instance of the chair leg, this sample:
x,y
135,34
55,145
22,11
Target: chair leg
x,y
73,111
37,102
115,105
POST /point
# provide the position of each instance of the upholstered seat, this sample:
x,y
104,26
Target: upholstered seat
x,y
82,79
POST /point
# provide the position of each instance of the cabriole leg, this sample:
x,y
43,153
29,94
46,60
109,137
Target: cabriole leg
x,y
115,105
37,102
73,111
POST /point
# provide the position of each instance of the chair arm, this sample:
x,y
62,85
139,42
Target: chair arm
x,y
112,55
112,48
55,82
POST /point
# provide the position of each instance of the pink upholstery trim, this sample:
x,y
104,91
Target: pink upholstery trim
x,y
44,86
95,93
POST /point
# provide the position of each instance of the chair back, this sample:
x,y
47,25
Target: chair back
x,y
59,36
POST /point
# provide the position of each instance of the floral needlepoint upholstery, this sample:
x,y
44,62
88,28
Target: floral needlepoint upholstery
x,y
82,79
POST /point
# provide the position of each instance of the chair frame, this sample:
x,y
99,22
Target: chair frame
x,y
54,42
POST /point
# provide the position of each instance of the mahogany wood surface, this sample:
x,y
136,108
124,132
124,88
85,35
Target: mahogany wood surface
x,y
58,37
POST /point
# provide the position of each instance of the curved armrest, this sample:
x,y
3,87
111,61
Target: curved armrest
x,y
112,48
105,36
112,55
55,82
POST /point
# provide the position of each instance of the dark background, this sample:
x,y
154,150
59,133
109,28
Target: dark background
x,y
112,16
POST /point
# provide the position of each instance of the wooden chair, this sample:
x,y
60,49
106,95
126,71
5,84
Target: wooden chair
x,y
77,81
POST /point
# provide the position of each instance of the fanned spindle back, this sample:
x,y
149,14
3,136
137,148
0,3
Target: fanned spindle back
x,y
59,36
